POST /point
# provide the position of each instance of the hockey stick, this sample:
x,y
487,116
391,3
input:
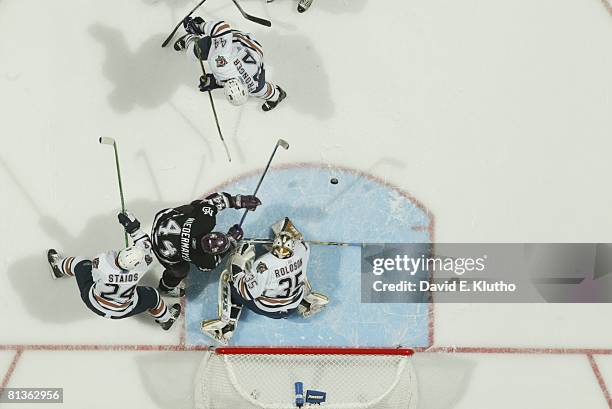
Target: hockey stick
x,y
111,141
249,17
212,102
167,40
315,242
282,143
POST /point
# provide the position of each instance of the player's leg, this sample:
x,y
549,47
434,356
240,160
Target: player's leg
x,y
277,315
312,303
229,308
77,267
150,300
270,93
173,275
62,266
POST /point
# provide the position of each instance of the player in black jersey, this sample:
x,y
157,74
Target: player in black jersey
x,y
185,235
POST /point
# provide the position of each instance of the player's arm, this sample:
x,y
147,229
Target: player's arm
x,y
221,200
218,30
139,238
246,278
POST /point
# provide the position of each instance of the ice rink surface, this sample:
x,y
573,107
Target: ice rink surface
x,y
495,116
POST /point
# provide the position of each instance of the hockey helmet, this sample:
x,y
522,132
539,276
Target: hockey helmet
x,y
283,245
130,258
215,243
236,92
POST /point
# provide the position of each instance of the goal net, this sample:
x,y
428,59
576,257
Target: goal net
x,y
245,378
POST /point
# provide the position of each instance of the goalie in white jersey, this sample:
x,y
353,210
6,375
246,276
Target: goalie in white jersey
x,y
235,59
274,285
109,282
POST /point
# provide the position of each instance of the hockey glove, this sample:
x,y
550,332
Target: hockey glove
x,y
129,222
194,25
208,83
248,202
235,234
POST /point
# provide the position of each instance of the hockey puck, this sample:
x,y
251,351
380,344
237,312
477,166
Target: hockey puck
x,y
333,181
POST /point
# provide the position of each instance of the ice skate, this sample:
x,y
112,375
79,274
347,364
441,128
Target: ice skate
x,y
174,292
270,105
175,312
304,5
54,260
218,330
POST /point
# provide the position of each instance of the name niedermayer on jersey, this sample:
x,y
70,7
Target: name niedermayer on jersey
x,y
186,238
288,269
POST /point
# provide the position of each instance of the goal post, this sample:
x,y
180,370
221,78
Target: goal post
x,y
265,378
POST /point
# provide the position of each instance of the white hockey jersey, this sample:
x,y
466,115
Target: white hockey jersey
x,y
275,284
234,54
114,290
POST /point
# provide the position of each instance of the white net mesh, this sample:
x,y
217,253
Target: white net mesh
x,y
246,381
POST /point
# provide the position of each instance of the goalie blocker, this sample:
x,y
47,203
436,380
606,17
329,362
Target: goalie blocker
x,y
274,285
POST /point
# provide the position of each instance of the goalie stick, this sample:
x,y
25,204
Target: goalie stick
x,y
315,242
249,17
180,23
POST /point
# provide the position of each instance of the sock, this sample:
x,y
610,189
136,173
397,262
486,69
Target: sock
x,y
161,313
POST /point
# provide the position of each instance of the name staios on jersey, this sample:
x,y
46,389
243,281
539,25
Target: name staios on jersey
x,y
177,233
114,290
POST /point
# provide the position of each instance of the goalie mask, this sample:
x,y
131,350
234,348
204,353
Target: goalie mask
x,y
283,245
130,258
215,243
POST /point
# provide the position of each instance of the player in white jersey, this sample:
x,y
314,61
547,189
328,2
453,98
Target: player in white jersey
x,y
274,285
109,282
235,59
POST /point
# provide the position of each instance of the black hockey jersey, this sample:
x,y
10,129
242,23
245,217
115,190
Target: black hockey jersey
x,y
177,232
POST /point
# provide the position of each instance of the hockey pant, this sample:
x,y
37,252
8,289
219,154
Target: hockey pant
x,y
237,299
173,275
265,90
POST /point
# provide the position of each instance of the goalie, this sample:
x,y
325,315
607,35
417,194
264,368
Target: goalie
x,y
274,285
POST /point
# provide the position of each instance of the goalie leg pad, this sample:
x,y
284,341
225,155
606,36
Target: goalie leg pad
x,y
222,329
312,304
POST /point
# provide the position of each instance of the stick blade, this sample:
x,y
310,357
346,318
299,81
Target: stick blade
x,y
259,20
106,141
283,144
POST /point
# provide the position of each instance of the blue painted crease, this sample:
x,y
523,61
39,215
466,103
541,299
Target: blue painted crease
x,y
357,209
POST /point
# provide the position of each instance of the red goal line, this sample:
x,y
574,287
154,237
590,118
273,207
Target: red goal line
x,y
311,351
